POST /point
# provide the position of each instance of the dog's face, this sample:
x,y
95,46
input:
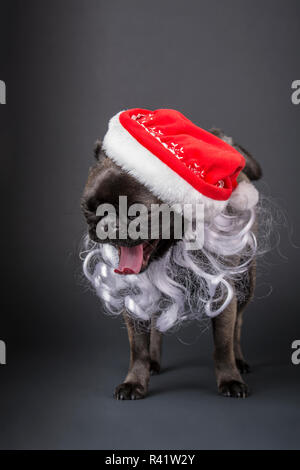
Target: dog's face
x,y
106,183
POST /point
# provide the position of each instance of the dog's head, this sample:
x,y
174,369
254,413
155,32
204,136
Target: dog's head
x,y
106,183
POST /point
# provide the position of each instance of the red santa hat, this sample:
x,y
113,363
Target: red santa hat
x,y
177,160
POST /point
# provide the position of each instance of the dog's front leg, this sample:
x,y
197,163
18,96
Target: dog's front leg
x,y
155,348
229,380
135,386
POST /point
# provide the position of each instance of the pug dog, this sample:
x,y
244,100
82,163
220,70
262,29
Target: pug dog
x,y
137,259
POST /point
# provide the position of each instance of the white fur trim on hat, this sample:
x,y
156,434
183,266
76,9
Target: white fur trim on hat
x,y
162,181
244,197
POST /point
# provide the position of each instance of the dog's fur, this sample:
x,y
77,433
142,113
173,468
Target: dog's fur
x,y
106,182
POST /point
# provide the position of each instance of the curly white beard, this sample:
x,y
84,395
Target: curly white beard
x,y
184,284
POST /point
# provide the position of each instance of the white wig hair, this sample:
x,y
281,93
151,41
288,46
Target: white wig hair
x,y
183,284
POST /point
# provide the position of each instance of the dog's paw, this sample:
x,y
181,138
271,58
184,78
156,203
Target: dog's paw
x,y
129,391
233,388
154,368
243,367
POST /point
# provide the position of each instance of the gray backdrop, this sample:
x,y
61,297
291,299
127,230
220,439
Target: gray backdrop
x,y
69,66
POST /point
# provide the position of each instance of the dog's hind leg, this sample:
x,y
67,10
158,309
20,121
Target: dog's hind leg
x,y
229,380
155,348
242,365
135,385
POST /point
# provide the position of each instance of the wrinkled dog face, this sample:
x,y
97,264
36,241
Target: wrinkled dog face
x,y
106,183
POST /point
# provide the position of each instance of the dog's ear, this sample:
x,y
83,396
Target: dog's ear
x,y
252,169
98,152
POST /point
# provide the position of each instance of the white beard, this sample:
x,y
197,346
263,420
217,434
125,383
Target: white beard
x,y
183,284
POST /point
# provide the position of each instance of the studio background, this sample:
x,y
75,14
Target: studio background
x,y
69,66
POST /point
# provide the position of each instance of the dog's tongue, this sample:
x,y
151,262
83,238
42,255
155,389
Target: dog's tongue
x,y
131,260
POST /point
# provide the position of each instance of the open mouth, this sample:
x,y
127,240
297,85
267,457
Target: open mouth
x,y
134,259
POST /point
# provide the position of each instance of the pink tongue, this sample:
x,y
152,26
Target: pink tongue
x,y
131,260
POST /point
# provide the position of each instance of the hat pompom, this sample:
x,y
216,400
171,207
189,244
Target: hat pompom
x,y
244,197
